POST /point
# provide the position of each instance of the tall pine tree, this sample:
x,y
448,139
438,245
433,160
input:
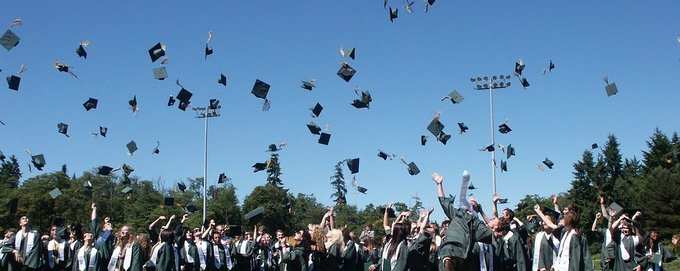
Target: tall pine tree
x,y
338,184
659,148
274,171
582,193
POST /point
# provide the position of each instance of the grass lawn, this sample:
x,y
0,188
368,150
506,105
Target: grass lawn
x,y
672,266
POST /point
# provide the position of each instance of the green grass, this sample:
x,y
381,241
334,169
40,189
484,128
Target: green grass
x,y
672,266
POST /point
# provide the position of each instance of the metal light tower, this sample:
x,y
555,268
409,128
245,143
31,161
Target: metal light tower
x,y
212,111
491,83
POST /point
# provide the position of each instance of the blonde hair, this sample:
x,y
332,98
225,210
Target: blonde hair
x,y
334,237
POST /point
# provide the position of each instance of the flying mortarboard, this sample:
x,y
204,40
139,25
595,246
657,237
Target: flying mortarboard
x,y
412,167
9,40
314,128
394,14
510,152
351,53
222,178
548,163
409,6
55,193
504,128
157,149
551,66
362,189
524,82
503,201
316,110
353,165
519,67
127,169
429,3
13,82
611,89
90,104
594,146
462,127
254,214
423,140
38,161
455,97
471,187
181,186
222,80
126,190
384,155
184,97
364,102
308,85
131,147
80,51
133,104
504,166
489,148
208,49
64,68
259,167
104,170
63,128
346,72
171,101
157,51
160,73
260,90
103,131
324,138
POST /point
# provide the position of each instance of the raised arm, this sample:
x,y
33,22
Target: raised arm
x,y
555,205
616,223
208,230
634,223
94,222
167,225
438,181
386,218
494,207
478,208
153,224
331,219
543,217
603,209
598,216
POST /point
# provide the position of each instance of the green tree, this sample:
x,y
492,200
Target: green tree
x,y
273,199
657,154
661,208
338,184
582,193
274,170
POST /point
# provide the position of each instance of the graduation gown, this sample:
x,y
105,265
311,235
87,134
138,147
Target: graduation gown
x,y
349,257
83,257
411,257
546,250
464,230
7,262
628,243
579,253
295,259
58,256
164,257
264,261
73,251
189,257
32,253
136,260
658,256
244,254
517,258
217,258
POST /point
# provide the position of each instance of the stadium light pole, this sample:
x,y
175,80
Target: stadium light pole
x,y
491,83
211,111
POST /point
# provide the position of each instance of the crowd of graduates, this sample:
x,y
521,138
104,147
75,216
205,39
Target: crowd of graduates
x,y
468,239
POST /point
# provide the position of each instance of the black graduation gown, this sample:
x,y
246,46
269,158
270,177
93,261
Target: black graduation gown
x,y
349,257
464,230
166,258
545,256
244,261
7,262
189,250
517,258
660,255
212,260
100,266
295,259
263,259
628,242
33,258
73,250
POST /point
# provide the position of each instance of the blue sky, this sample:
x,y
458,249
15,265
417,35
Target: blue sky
x,y
407,65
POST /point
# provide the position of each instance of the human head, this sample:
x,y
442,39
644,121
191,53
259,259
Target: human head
x,y
53,232
279,235
167,236
87,238
216,237
23,221
248,236
508,214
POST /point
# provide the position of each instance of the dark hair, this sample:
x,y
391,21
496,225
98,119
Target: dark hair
x,y
167,236
345,235
400,231
512,213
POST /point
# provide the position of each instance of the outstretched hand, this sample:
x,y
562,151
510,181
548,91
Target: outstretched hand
x,y
438,179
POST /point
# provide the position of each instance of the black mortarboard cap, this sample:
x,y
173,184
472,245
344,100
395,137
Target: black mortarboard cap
x,y
317,109
443,138
184,95
519,67
346,72
548,163
272,148
489,148
90,104
9,40
103,131
435,127
182,187
222,178
504,128
551,212
254,214
13,82
510,152
308,85
171,101
260,89
525,83
362,190
38,161
611,89
455,97
502,201
365,100
394,13
104,170
390,212
63,128
471,187
126,190
80,51
383,155
160,73
157,51
208,51
168,201
190,208
127,169
259,167
413,169
504,166
314,128
462,127
324,138
594,146
222,80
353,165
132,147
351,53
214,104
133,103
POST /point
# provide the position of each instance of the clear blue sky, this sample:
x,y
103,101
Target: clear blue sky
x,y
407,65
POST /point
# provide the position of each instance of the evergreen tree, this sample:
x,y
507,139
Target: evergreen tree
x,y
659,148
272,199
10,172
613,160
582,193
661,208
338,184
274,171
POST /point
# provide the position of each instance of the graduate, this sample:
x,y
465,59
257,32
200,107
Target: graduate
x,y
545,246
276,249
573,254
244,252
627,237
397,254
264,260
27,247
88,257
75,242
462,233
295,256
127,254
350,257
656,253
608,248
335,245
217,254
57,249
102,236
188,253
7,262
164,256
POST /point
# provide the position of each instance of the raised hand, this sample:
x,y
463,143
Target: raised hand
x,y
161,217
537,208
438,179
94,205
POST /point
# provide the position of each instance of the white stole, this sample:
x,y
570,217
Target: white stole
x,y
81,258
190,259
29,242
395,256
127,260
562,263
216,254
202,250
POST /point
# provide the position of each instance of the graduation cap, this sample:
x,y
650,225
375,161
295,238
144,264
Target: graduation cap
x,y
324,138
423,140
409,6
222,178
157,51
208,49
615,208
160,73
353,165
364,102
390,212
132,147
502,201
412,168
127,169
462,127
103,131
346,72
254,214
214,104
64,68
548,163
275,148
504,128
104,170
169,201
126,190
80,51
314,128
524,82
443,138
38,161
489,148
235,230
55,193
63,128
510,151
181,186
316,111
13,82
551,66
184,97
190,208
455,97
428,4
435,127
9,40
260,89
171,101
222,80
156,150
133,103
471,187
383,155
259,167
308,85
551,212
594,146
519,67
611,89
504,166
351,53
394,14
90,104
362,189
